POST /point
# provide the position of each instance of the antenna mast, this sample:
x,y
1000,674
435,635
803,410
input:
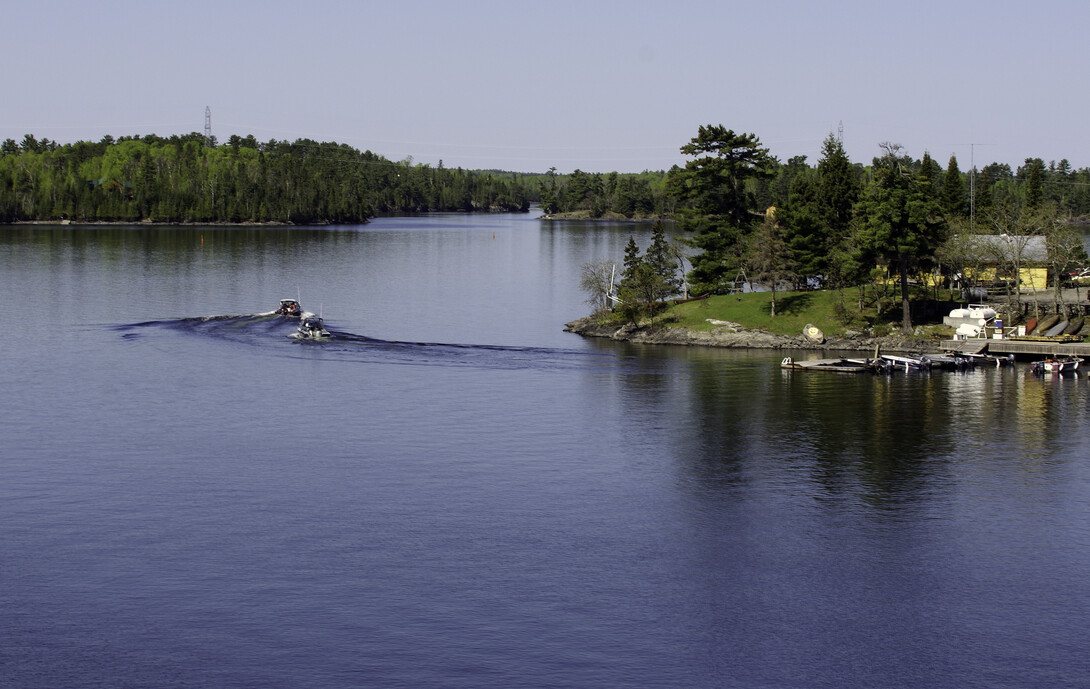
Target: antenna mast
x,y
208,125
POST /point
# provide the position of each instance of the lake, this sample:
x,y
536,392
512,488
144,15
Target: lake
x,y
453,492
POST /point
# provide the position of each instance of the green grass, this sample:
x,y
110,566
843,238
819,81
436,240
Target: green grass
x,y
830,310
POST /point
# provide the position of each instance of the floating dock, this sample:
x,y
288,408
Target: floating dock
x,y
839,365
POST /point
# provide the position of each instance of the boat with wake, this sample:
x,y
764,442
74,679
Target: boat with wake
x,y
289,308
311,328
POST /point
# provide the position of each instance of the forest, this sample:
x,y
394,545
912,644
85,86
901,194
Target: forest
x,y
182,179
186,178
646,195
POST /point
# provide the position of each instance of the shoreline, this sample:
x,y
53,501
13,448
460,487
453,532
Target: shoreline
x,y
730,336
608,216
163,223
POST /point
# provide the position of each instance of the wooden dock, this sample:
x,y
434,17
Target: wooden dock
x,y
839,365
1016,347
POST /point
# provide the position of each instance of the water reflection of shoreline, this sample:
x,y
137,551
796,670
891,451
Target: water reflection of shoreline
x,y
734,420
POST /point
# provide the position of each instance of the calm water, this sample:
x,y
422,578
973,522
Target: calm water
x,y
455,493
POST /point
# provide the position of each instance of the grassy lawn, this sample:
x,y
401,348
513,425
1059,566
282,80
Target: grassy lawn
x,y
832,311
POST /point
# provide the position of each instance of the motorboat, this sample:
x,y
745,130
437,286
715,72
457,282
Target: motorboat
x,y
1057,364
289,308
989,359
311,328
948,363
906,363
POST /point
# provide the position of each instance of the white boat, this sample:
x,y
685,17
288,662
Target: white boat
x,y
289,308
311,328
906,363
1057,364
989,359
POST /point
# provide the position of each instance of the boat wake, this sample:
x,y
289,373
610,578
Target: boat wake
x,y
276,335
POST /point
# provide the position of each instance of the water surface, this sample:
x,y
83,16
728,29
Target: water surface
x,y
454,492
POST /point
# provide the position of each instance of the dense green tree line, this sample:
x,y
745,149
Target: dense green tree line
x,y
840,224
652,194
188,179
640,195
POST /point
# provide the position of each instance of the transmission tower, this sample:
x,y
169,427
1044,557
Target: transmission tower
x,y
208,125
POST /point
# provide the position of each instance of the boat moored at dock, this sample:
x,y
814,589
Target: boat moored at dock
x,y
906,363
1057,364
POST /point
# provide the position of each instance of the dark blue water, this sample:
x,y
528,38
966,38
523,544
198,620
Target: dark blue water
x,y
453,492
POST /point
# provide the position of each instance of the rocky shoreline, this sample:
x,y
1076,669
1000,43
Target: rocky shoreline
x,y
726,334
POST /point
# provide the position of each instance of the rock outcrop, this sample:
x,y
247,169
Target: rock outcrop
x,y
727,334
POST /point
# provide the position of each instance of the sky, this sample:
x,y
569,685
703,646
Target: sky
x,y
595,85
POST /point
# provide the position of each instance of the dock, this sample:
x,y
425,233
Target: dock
x,y
839,365
1016,347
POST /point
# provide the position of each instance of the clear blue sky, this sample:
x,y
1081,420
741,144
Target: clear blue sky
x,y
528,85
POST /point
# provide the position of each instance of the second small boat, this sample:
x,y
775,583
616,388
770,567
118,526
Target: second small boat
x,y
311,328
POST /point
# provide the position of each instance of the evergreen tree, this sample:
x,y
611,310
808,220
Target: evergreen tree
x,y
838,188
930,176
660,257
785,177
817,214
1034,173
643,284
954,201
719,206
631,258
804,230
900,221
770,257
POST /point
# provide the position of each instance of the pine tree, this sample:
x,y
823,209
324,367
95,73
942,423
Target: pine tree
x,y
1034,168
837,190
929,179
770,257
953,190
661,259
900,221
804,230
631,258
718,202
